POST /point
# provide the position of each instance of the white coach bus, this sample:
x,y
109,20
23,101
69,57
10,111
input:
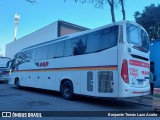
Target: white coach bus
x,y
110,61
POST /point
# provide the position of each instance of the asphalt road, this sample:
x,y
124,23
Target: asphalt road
x,y
29,99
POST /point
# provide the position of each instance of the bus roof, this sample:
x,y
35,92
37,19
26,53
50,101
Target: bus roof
x,y
76,34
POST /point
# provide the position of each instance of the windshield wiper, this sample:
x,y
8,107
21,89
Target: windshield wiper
x,y
140,48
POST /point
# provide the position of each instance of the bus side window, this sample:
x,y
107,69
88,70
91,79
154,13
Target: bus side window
x,y
56,50
59,49
68,48
51,51
79,46
22,57
41,53
90,81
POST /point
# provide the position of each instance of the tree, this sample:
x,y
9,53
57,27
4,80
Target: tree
x,y
111,4
150,20
101,4
31,1
123,10
79,47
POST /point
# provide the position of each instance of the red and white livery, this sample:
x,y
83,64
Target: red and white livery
x,y
110,61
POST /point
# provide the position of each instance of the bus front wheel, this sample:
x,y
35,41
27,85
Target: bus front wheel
x,y
67,90
17,83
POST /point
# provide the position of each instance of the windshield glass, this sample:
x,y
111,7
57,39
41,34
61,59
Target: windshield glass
x,y
3,62
137,37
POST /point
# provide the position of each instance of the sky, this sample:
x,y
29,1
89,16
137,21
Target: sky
x,y
44,12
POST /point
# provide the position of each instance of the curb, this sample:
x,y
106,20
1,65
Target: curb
x,y
147,97
138,103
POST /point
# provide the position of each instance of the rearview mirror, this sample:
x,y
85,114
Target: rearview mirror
x,y
9,63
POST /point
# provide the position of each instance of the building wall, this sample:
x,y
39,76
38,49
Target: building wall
x,y
65,29
155,58
50,32
45,34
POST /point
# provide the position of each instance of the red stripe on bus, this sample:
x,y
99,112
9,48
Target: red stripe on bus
x,y
73,68
140,92
139,63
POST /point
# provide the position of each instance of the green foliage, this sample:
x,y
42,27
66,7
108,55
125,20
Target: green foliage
x,y
150,20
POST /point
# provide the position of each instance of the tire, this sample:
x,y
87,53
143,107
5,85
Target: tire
x,y
155,110
67,90
17,83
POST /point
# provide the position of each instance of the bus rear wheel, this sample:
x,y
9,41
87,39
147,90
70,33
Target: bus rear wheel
x,y
67,90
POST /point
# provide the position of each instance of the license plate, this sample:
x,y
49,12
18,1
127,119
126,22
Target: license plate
x,y
140,82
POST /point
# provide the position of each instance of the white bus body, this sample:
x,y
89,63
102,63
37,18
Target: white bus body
x,y
4,69
110,61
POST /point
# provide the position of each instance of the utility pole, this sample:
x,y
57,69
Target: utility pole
x,y
16,19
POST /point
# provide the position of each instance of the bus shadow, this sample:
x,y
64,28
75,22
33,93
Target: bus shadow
x,y
39,91
3,82
103,102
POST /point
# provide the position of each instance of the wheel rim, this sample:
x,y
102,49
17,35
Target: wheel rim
x,y
17,83
67,90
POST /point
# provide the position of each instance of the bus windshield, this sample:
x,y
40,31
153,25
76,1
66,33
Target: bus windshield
x,y
137,38
3,62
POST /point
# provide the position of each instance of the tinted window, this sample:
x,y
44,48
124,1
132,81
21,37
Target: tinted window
x,y
41,53
68,48
22,57
51,50
56,50
79,45
108,37
88,43
59,49
95,41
